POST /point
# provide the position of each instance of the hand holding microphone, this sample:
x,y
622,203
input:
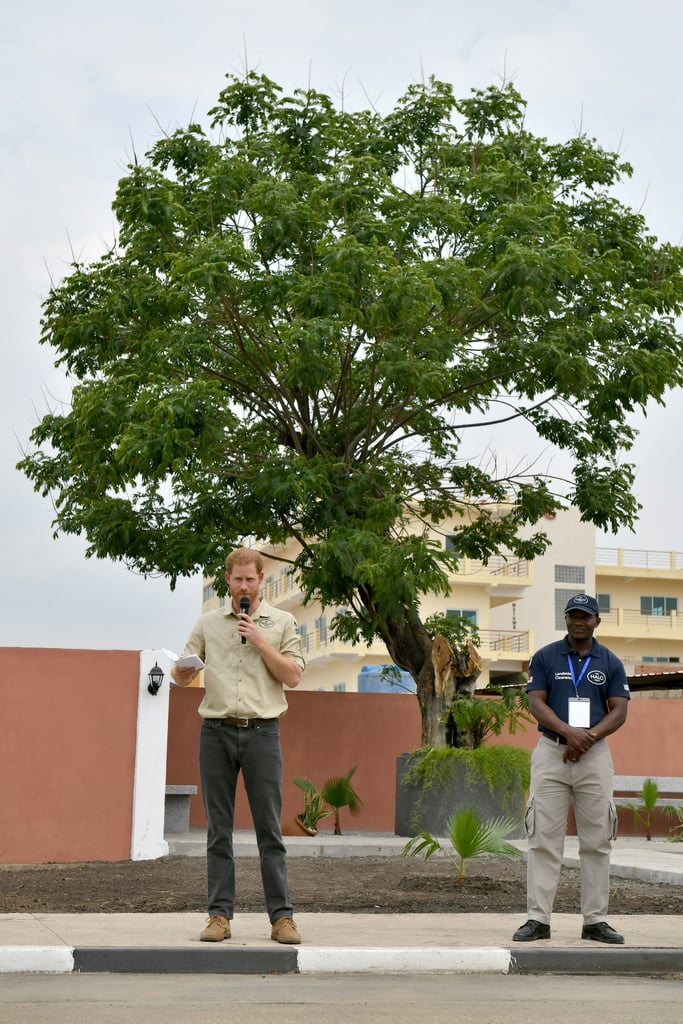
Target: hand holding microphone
x,y
245,605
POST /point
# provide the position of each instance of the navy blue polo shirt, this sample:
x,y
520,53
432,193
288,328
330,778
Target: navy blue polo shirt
x,y
604,677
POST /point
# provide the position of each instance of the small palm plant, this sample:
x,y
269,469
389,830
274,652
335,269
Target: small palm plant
x,y
314,805
470,836
676,832
338,792
642,812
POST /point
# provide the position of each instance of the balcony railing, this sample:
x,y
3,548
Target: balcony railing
x,y
322,643
634,621
626,558
492,644
517,568
285,586
504,641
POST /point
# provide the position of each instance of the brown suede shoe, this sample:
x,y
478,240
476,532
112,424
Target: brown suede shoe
x,y
217,929
284,930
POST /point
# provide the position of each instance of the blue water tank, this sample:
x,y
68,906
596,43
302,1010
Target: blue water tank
x,y
385,679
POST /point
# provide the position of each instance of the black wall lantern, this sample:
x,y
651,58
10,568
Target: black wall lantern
x,y
156,678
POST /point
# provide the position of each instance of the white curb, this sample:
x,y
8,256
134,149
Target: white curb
x,y
37,960
341,960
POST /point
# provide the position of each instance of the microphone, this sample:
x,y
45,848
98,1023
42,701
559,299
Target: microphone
x,y
245,605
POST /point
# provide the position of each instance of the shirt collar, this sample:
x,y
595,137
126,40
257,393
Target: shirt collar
x,y
263,609
594,652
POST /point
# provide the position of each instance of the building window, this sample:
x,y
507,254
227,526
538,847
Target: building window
x,y
340,687
321,626
604,603
570,574
658,605
648,659
209,592
462,613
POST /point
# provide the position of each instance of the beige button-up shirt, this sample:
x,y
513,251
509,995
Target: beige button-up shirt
x,y
236,679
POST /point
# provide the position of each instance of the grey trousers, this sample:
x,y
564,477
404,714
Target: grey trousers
x,y
588,783
224,751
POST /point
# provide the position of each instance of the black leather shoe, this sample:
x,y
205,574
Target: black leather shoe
x,y
601,932
531,931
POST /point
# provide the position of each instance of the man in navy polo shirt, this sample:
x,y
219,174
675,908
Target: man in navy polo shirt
x,y
578,694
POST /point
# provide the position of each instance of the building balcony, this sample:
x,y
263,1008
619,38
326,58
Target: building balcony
x,y
320,646
505,645
495,645
503,579
283,592
628,563
632,624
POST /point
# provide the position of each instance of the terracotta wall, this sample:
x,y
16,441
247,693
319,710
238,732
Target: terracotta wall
x,y
323,734
67,754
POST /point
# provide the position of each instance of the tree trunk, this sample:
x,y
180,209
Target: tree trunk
x,y
410,646
434,708
438,671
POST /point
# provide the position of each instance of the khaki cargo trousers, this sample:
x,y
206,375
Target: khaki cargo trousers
x,y
554,784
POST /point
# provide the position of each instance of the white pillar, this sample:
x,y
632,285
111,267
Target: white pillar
x,y
149,786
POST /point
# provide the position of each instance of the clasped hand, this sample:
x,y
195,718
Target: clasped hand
x,y
578,742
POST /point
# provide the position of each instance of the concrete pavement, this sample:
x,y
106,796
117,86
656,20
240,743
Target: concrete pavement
x,y
341,943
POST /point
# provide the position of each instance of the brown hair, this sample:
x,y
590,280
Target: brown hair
x,y
243,556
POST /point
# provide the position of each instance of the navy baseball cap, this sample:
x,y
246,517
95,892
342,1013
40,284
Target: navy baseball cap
x,y
582,603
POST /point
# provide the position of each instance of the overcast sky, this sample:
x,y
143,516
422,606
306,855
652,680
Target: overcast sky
x,y
85,84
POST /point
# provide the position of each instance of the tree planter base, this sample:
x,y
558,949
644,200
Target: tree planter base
x,y
427,808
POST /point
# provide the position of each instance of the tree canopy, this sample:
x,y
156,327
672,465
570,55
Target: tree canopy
x,y
306,309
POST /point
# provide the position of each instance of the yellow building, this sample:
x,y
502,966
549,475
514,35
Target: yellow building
x,y
640,594
516,605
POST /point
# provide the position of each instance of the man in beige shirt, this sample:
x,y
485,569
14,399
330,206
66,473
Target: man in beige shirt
x,y
250,658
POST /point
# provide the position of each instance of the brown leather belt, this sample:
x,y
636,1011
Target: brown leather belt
x,y
245,723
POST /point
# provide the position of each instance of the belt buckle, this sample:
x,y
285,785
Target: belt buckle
x,y
242,723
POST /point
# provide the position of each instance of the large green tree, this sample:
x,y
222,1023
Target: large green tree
x,y
304,310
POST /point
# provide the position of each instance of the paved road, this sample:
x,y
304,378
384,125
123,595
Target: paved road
x,y
327,999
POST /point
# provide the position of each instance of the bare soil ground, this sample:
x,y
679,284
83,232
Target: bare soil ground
x,y
382,885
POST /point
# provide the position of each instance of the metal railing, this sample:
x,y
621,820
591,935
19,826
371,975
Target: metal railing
x,y
635,621
285,585
502,567
497,565
491,641
635,558
317,641
508,641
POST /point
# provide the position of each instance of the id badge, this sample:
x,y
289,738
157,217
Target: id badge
x,y
579,712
